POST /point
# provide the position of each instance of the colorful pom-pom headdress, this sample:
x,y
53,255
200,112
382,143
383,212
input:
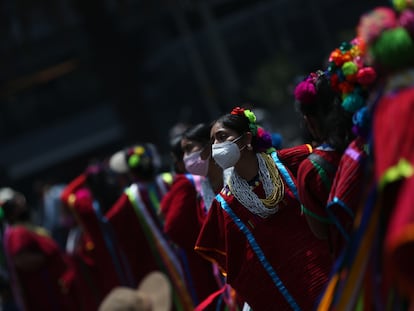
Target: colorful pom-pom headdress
x,y
144,156
262,138
389,34
348,74
251,117
305,92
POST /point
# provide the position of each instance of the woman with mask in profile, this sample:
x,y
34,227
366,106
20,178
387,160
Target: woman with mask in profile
x,y
185,208
254,230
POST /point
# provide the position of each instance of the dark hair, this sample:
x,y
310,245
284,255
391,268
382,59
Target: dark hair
x,y
199,133
237,123
333,122
103,184
175,146
9,208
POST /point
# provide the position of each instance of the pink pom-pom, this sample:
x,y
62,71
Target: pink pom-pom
x,y
83,198
366,75
373,23
305,92
407,20
359,61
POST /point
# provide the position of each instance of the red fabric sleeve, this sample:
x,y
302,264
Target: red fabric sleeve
x,y
21,239
311,189
211,242
179,207
293,157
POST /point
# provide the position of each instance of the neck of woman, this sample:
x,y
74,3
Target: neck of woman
x,y
215,177
247,167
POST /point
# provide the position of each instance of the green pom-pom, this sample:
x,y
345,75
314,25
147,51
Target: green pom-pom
x,y
133,160
349,68
399,5
253,129
353,102
345,46
1,213
394,49
250,115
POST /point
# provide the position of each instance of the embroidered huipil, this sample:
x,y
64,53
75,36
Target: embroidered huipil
x,y
290,269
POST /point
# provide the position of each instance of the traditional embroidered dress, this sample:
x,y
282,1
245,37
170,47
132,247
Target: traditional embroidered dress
x,y
184,213
347,191
273,263
315,176
377,269
132,238
51,286
393,137
136,220
97,257
131,235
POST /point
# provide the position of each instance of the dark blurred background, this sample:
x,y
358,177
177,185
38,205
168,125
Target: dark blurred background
x,y
83,78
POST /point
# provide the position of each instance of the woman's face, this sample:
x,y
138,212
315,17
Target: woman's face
x,y
220,134
190,146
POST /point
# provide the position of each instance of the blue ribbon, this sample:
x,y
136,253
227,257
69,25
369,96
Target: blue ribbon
x,y
259,253
345,207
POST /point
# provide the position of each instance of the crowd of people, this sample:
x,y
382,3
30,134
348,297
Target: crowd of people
x,y
240,223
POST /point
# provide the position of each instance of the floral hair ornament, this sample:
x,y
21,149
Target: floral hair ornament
x,y
264,141
251,117
348,74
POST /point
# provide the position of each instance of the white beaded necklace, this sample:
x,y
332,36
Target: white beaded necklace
x,y
245,195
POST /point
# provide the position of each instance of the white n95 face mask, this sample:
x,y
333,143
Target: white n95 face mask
x,y
195,165
226,154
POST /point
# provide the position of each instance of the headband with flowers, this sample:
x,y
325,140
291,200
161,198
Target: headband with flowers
x,y
348,75
251,117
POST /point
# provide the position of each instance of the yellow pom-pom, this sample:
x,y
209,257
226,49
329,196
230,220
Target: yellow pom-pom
x,y
71,200
139,150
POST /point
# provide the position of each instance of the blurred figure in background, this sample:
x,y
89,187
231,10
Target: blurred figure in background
x,y
137,222
185,208
87,198
36,263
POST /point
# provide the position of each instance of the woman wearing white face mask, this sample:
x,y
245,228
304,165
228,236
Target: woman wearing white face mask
x,y
186,205
254,230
